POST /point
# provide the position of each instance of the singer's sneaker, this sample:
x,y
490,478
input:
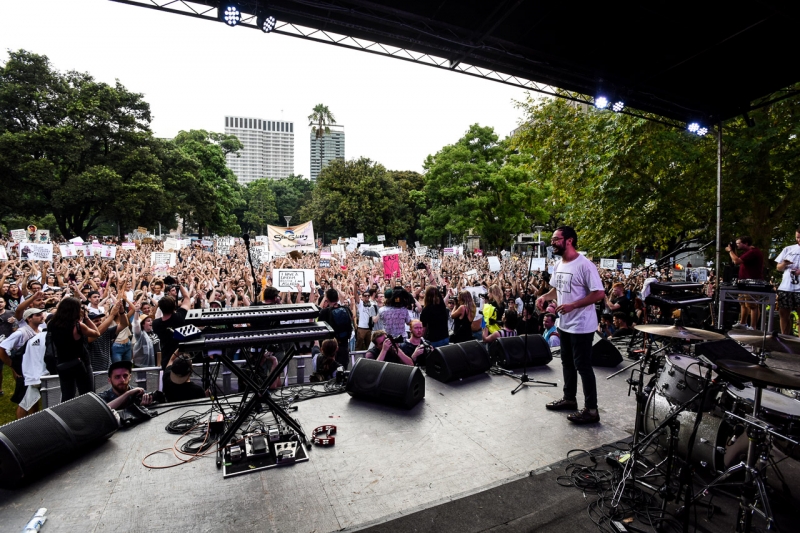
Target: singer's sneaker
x,y
563,405
584,416
739,325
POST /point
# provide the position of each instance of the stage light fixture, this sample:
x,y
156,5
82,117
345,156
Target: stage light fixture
x,y
267,24
601,102
230,13
702,131
693,127
618,106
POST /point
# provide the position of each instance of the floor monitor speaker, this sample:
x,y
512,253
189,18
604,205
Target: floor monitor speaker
x,y
604,353
385,382
510,352
48,439
457,361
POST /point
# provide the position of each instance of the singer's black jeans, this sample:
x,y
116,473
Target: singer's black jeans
x,y
576,358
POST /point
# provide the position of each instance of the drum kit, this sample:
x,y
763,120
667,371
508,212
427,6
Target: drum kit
x,y
714,413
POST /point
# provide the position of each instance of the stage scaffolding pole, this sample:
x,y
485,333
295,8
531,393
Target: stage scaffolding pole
x,y
719,215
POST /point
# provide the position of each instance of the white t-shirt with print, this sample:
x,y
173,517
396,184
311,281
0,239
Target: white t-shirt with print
x,y
573,281
790,253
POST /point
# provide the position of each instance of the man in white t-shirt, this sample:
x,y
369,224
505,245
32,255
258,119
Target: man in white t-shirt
x,y
789,289
577,286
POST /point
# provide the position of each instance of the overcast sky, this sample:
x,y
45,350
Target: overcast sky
x,y
193,72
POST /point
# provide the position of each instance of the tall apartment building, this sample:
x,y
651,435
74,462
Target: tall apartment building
x,y
332,147
268,148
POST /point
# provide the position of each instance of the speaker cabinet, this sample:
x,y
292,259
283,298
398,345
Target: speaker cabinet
x,y
389,383
510,352
604,353
49,439
457,361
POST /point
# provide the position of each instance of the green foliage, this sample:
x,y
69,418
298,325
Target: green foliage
x,y
319,120
291,193
260,202
208,194
621,181
358,196
479,185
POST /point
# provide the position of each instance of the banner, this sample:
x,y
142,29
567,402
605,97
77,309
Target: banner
x,y
287,279
163,258
36,252
391,264
300,237
19,235
610,264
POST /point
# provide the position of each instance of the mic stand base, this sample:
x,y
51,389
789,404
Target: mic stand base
x,y
523,379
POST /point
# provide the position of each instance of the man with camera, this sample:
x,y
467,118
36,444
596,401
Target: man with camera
x,y
416,348
386,348
751,266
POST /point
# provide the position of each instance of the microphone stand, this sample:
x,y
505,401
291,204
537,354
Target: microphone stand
x,y
256,283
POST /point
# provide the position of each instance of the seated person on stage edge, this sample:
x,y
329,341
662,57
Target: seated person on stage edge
x,y
551,331
508,329
622,325
384,349
121,395
176,383
326,365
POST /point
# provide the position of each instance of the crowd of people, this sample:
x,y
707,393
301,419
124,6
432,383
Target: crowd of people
x,y
78,315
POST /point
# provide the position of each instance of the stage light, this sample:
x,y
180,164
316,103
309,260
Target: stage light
x,y
601,102
702,131
230,14
267,24
693,127
618,106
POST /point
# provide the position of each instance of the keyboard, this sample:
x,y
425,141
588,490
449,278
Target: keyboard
x,y
666,287
677,299
758,285
251,337
254,315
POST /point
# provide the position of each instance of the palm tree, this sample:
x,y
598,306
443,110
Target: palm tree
x,y
319,120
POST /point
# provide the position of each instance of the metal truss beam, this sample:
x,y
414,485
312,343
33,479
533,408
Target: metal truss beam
x,y
206,12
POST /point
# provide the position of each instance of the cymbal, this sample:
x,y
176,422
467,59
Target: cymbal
x,y
773,343
679,332
760,375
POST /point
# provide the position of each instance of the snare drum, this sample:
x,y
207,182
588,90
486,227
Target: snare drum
x,y
781,412
682,378
710,443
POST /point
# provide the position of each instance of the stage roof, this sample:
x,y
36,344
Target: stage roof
x,y
679,60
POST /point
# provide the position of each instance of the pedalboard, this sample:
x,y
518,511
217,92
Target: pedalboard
x,y
277,446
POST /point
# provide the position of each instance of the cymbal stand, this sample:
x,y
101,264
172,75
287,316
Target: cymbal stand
x,y
758,458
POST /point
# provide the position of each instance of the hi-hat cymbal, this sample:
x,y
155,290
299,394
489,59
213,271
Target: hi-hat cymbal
x,y
760,375
772,343
679,332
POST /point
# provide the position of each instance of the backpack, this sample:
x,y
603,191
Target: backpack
x,y
341,323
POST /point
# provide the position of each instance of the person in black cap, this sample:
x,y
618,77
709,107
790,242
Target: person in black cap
x,y
120,395
177,386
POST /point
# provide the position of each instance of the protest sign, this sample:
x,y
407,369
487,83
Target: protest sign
x,y
402,244
67,250
478,252
300,237
436,264
287,279
420,250
76,240
381,238
391,265
3,254
505,254
416,244
43,236
171,244
360,237
648,262
472,272
494,263
610,264
476,293
36,252
538,263
325,255
128,245
449,251
141,229
678,275
389,251
262,239
163,258
324,263
19,235
108,252
627,265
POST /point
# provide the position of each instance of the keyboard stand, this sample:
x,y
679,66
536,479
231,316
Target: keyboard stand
x,y
260,394
763,299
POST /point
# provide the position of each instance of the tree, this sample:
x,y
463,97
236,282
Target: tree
x,y
207,192
291,193
357,196
479,185
320,119
260,201
73,147
622,181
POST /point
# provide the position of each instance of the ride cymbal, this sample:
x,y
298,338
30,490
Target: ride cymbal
x,y
679,332
760,375
772,343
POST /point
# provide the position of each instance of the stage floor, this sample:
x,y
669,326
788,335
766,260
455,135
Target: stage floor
x,y
462,438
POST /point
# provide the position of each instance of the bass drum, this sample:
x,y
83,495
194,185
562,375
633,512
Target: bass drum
x,y
779,410
711,442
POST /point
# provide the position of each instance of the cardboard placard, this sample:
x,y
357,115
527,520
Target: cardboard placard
x,y
67,250
287,279
324,263
163,258
36,251
494,264
391,265
610,264
19,235
381,238
128,245
538,264
360,237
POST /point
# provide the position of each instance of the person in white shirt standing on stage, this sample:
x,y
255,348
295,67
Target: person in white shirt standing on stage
x,y
577,286
789,289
